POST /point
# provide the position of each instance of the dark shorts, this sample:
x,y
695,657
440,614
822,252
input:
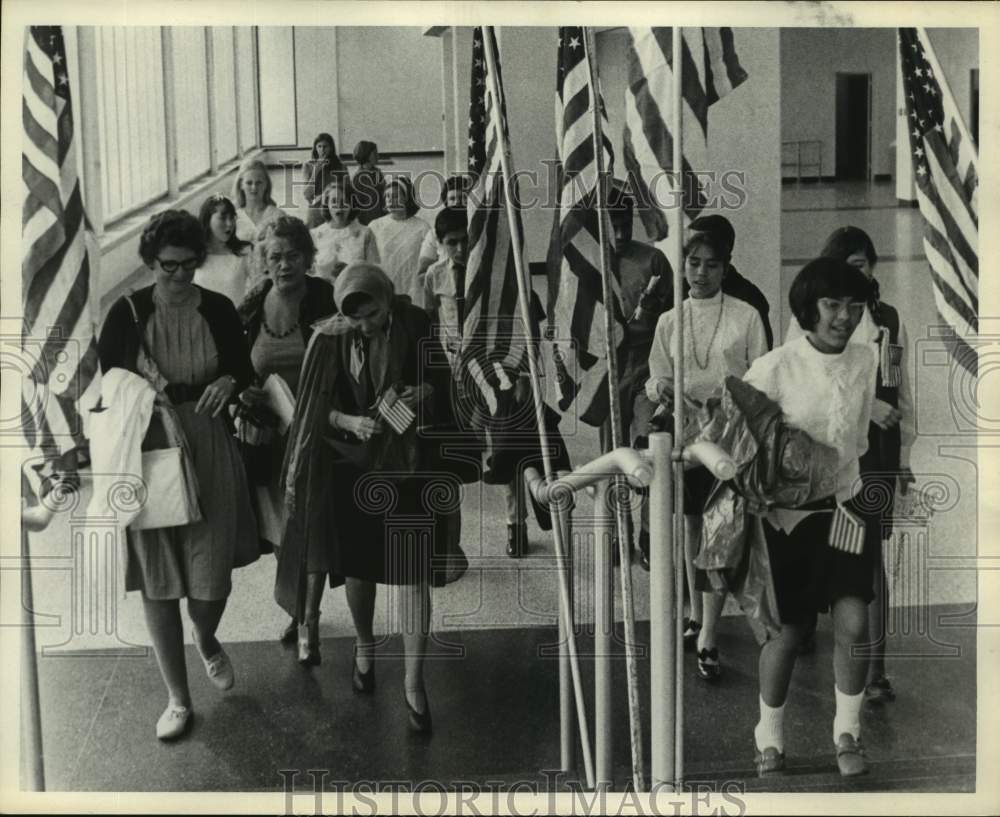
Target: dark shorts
x,y
809,575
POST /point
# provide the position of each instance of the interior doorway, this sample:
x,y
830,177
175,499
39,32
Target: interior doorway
x,y
854,126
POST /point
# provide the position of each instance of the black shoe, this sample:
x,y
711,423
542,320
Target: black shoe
x,y
363,682
708,664
517,540
290,634
420,722
644,550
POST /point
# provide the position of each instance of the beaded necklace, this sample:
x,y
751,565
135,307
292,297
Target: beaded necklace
x,y
708,349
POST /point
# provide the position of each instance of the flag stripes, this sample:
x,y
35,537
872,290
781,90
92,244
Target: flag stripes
x,y
493,336
710,69
945,167
58,333
576,295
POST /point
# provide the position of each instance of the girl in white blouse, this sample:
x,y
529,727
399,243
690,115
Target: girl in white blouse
x,y
825,387
227,264
341,239
252,194
399,236
721,336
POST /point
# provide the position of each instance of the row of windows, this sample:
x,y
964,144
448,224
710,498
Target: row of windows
x,y
204,79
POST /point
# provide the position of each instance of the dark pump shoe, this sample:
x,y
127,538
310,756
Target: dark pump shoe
x,y
880,691
708,664
420,722
517,540
850,756
290,634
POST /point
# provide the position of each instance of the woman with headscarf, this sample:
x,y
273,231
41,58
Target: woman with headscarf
x,y
399,237
352,486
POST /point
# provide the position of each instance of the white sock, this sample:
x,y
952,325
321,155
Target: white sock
x,y
770,731
848,717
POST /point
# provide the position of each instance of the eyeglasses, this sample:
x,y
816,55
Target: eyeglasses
x,y
855,309
188,264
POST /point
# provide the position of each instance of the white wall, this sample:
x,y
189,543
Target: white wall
x,y
810,61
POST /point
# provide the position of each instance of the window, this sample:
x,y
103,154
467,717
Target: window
x,y
246,91
224,85
130,114
191,100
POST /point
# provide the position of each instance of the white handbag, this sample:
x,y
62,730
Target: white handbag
x,y
171,498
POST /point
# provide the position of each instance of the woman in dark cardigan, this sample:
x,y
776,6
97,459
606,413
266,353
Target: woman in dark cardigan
x,y
196,342
279,314
352,479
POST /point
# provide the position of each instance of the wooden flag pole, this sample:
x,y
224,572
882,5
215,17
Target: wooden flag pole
x,y
558,510
620,485
677,343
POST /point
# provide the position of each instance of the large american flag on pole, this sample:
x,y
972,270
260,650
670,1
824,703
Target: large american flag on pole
x,y
576,299
493,336
710,69
58,333
945,169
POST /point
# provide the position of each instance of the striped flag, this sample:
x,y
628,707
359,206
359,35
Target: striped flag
x,y
493,335
395,412
58,333
710,70
945,168
576,295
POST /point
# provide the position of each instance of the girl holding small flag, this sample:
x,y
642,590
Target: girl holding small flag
x,y
821,554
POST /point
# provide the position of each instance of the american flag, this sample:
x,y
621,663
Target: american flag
x,y
945,168
58,333
493,336
576,295
710,70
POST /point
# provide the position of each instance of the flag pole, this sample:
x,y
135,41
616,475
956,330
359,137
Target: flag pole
x,y
620,485
677,344
557,508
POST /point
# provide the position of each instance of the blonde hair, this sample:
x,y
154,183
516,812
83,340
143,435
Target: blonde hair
x,y
249,165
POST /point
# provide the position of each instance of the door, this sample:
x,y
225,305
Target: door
x,y
854,120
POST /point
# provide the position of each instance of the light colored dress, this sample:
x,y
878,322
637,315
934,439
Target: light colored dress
x,y
342,245
195,560
247,228
399,245
226,273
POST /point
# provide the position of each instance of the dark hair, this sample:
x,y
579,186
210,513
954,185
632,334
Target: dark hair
x,y
409,194
363,150
846,241
343,181
325,137
459,182
620,203
450,220
720,226
246,167
716,242
291,229
172,228
349,305
825,278
210,207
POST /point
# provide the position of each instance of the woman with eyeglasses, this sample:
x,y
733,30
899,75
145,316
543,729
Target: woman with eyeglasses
x,y
193,338
821,554
279,315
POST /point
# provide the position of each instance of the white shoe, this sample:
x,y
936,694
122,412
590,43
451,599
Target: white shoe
x,y
174,722
218,668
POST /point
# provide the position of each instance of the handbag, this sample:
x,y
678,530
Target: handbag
x,y
169,481
255,434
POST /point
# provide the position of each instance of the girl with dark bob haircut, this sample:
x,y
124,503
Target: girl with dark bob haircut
x,y
227,265
824,384
825,278
172,228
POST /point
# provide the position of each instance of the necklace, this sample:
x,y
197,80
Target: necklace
x,y
708,349
277,335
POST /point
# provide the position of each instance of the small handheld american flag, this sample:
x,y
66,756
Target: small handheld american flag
x,y
395,412
890,360
847,531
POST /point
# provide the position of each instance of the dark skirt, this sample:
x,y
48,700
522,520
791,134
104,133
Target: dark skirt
x,y
809,575
389,530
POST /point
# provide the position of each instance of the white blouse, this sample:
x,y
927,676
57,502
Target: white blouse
x,y
729,350
247,228
829,396
226,273
342,245
399,245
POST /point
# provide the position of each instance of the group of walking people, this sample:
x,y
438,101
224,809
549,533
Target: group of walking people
x,y
357,307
